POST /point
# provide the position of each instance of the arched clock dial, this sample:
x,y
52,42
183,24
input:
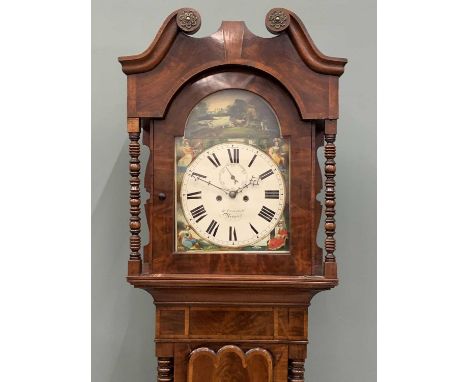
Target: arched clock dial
x,y
233,195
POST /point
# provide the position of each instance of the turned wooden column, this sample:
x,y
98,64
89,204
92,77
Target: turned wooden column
x,y
165,369
296,370
330,200
134,262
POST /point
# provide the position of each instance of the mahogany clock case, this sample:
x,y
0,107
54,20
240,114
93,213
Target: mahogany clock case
x,y
213,303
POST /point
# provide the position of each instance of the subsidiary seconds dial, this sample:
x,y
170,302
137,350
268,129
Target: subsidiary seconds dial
x,y
233,195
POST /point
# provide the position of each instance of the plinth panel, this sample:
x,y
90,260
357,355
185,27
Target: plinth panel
x,y
230,363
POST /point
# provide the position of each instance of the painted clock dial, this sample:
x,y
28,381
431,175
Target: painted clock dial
x,y
233,195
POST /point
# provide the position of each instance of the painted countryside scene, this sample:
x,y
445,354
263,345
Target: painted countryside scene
x,y
232,114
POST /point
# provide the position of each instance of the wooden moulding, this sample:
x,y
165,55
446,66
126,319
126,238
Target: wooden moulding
x,y
235,281
173,60
292,24
153,55
261,295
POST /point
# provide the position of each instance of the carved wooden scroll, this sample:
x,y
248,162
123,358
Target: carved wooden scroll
x,y
189,20
277,20
230,363
134,263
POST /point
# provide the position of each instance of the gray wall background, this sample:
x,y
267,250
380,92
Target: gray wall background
x,y
342,323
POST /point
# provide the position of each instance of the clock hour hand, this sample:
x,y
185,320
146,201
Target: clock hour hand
x,y
209,183
253,181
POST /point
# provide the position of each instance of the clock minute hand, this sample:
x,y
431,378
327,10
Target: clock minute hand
x,y
209,183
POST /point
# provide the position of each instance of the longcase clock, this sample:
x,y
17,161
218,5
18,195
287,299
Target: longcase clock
x,y
233,123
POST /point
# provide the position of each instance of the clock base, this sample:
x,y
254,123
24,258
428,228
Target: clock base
x,y
260,333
